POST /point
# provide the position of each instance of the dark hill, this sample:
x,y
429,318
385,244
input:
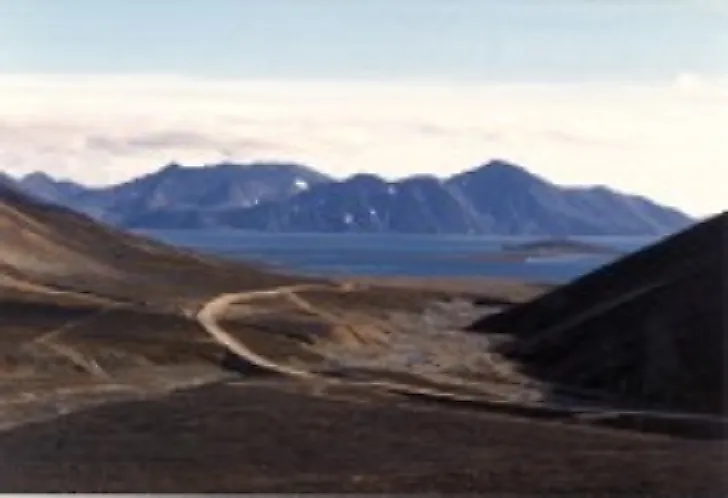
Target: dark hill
x,y
649,327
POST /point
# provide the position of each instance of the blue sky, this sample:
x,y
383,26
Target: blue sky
x,y
628,93
373,39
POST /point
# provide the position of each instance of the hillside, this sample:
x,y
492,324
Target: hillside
x,y
649,328
48,245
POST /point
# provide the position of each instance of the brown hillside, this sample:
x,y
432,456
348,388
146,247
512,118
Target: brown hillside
x,y
109,300
52,246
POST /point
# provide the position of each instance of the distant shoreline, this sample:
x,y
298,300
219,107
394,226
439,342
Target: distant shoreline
x,y
547,248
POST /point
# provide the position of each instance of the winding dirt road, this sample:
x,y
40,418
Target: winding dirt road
x,y
211,311
214,309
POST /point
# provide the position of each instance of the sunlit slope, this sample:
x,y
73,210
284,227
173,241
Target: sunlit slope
x,y
52,246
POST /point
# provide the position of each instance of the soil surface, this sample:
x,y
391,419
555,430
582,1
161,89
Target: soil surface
x,y
279,436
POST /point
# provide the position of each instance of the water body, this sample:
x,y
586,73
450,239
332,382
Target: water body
x,y
395,255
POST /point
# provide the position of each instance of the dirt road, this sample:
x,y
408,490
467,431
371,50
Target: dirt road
x,y
572,410
208,317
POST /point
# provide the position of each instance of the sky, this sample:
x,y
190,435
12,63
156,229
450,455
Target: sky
x,y
632,94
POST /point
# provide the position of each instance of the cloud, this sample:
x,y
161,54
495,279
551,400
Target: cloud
x,y
662,140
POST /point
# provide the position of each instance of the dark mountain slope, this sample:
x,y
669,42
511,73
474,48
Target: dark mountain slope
x,y
651,326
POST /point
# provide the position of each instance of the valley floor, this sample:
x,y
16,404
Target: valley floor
x,y
396,398
283,436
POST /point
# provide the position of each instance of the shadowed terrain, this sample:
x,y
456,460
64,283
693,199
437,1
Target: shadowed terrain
x,y
650,328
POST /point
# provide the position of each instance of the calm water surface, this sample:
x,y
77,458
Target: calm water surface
x,y
393,255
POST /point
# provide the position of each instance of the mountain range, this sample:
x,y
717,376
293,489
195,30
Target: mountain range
x,y
128,364
499,198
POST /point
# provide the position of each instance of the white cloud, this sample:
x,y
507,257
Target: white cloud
x,y
661,140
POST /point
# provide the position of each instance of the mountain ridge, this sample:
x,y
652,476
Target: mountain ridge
x,y
496,198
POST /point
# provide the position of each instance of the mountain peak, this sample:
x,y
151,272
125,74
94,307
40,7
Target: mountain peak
x,y
365,179
503,165
499,175
173,166
505,169
44,187
37,176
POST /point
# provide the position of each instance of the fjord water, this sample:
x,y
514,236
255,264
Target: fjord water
x,y
395,254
